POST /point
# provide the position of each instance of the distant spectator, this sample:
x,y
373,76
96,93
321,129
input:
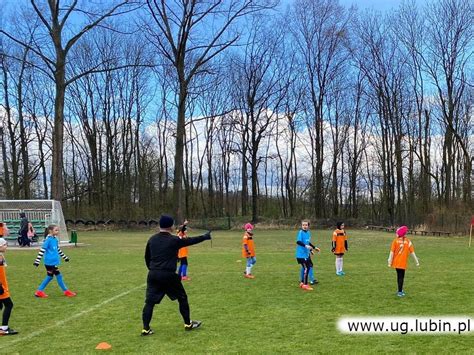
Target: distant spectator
x,y
32,233
23,239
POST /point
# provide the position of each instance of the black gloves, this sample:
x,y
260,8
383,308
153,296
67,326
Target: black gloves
x,y
207,236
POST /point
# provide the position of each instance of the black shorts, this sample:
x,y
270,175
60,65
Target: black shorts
x,y
52,270
160,283
303,261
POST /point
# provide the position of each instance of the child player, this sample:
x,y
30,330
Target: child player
x,y
248,250
303,253
398,257
339,247
5,300
183,253
52,253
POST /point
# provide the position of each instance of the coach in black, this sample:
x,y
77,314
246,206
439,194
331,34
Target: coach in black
x,y
161,257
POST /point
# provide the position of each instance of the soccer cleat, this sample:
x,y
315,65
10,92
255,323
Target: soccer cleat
x,y
249,276
307,287
193,325
301,284
339,273
40,294
403,293
342,273
400,294
314,282
185,278
146,332
69,293
8,331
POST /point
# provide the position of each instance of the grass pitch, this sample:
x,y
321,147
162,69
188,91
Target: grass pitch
x,y
269,314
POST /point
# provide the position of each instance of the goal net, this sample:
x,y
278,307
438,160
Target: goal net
x,y
40,213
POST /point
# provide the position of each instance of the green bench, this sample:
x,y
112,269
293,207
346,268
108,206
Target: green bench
x,y
14,226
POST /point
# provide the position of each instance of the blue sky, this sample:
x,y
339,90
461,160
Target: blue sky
x,y
381,5
375,4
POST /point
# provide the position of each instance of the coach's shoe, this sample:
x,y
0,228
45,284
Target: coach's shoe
x,y
193,325
146,332
69,293
249,276
307,287
40,294
8,331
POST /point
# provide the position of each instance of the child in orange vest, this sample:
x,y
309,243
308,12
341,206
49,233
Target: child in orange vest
x,y
5,300
248,250
3,230
398,257
339,247
183,254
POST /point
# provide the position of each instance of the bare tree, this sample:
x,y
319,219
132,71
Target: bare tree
x,y
320,32
259,80
54,53
450,36
177,34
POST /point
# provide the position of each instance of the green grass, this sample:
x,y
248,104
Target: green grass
x,y
269,314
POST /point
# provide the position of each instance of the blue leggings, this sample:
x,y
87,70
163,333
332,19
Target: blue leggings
x,y
251,261
310,274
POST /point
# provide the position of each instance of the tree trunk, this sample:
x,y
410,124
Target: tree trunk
x,y
179,151
57,182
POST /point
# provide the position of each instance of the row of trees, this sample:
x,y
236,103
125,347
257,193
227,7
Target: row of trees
x,y
239,108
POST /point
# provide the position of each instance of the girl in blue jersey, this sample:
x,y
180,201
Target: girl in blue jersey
x,y
51,252
304,248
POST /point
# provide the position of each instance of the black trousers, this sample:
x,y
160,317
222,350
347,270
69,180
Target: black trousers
x,y
306,264
160,284
23,239
400,279
8,305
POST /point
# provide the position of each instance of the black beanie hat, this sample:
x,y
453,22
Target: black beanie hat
x,y
166,221
339,224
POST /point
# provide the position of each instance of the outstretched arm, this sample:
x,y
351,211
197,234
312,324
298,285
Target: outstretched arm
x,y
194,240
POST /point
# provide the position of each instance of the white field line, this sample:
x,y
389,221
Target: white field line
x,y
67,320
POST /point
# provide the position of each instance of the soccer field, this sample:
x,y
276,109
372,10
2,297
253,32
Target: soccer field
x,y
269,314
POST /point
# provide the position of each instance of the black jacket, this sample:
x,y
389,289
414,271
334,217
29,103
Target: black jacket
x,y
23,225
161,251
